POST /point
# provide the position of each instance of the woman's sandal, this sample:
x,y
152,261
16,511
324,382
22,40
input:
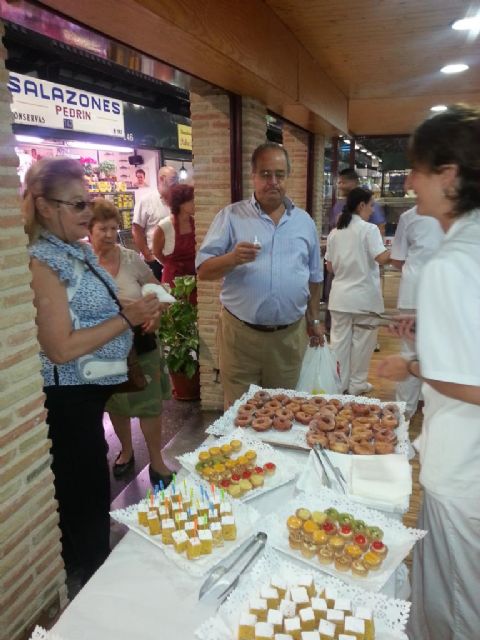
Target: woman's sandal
x,y
121,469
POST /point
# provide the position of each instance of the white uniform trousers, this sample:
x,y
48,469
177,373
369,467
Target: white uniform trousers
x,y
408,390
353,347
446,571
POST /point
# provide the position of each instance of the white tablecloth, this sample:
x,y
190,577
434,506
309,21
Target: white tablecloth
x,y
139,594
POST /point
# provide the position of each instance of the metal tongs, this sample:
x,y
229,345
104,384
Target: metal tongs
x,y
220,570
262,538
321,455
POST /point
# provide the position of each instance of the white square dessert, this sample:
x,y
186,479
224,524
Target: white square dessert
x,y
307,619
263,631
330,596
344,636
354,626
366,614
306,581
275,618
292,625
320,607
288,608
258,606
337,617
271,596
327,629
310,635
300,597
280,585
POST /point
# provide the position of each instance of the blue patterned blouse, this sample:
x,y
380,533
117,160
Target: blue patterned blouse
x,y
91,305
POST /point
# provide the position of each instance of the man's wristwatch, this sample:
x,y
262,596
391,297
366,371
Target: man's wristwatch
x,y
315,322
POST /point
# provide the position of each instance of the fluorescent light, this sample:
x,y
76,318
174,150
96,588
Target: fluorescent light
x,y
439,107
32,139
467,24
357,146
76,144
454,68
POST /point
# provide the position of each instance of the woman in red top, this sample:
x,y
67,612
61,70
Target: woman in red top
x,y
174,238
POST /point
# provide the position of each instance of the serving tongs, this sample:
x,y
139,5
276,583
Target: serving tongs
x,y
221,569
321,454
262,539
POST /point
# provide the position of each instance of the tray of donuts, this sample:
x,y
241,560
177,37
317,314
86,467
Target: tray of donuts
x,y
345,424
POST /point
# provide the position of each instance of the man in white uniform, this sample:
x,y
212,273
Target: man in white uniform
x,y
148,212
416,240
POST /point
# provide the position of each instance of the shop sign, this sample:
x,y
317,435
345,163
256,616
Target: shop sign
x,y
184,136
40,103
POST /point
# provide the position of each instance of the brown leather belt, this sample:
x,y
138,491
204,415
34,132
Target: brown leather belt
x,y
266,328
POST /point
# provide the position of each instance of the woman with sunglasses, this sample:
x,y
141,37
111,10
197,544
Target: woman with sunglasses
x,y
85,338
445,156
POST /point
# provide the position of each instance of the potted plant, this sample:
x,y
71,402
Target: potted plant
x,y
178,333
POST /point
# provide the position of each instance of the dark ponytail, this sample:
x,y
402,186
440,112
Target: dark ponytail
x,y
354,199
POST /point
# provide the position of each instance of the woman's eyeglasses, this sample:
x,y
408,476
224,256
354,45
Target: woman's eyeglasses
x,y
80,205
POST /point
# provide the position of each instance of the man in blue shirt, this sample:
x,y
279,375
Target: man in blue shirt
x,y
267,252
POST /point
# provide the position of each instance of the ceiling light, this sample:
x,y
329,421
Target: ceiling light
x,y
439,107
100,147
454,68
30,139
183,173
467,24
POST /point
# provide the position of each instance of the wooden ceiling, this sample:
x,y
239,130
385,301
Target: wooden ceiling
x,y
363,66
379,51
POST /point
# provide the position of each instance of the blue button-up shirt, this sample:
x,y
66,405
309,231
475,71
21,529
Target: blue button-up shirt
x,y
273,289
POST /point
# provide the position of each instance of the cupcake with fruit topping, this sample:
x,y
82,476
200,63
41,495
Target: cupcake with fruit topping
x,y
379,548
325,555
336,542
320,538
319,517
308,549
236,445
342,562
332,514
346,532
375,533
372,560
329,528
251,455
269,468
353,550
257,480
245,485
226,450
345,518
359,569
359,526
234,491
303,514
295,539
294,523
361,540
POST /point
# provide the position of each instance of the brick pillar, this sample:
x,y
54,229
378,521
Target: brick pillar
x,y
318,181
254,132
210,114
32,577
295,141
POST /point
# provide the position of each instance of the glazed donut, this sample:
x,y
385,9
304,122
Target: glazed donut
x,y
284,413
342,426
363,432
281,423
273,404
361,422
391,408
263,423
345,413
336,403
360,409
331,407
316,438
384,447
326,412
263,396
324,422
363,448
320,402
385,435
338,442
246,408
303,418
281,397
310,409
292,406
265,411
389,421
300,400
375,409
243,420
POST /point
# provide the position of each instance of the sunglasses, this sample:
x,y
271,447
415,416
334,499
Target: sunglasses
x,y
80,205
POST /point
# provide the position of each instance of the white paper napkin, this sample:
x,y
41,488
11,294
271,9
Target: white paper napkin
x,y
159,291
387,478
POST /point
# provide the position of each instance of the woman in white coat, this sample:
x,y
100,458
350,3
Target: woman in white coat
x,y
445,156
354,252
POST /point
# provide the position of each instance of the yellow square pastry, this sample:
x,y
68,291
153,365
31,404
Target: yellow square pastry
x,y
246,627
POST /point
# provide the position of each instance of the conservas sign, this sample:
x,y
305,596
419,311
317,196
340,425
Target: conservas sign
x,y
47,104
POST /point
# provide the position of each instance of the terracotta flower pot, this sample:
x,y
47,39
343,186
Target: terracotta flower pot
x,y
185,388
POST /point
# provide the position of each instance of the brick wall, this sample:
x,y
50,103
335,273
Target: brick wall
x,y
31,569
209,108
295,140
254,132
318,180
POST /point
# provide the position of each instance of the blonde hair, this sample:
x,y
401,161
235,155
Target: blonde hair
x,y
44,179
103,210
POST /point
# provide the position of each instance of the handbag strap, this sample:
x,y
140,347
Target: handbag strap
x,y
112,293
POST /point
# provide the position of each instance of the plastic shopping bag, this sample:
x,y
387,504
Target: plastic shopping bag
x,y
319,371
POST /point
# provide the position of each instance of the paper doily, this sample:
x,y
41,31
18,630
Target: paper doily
x,y
286,470
398,538
390,615
224,425
39,633
246,518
